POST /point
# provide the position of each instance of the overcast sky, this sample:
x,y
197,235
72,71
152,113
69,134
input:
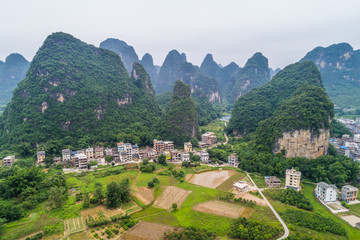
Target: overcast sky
x,y
232,30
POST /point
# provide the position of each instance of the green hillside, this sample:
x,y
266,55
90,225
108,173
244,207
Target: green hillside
x,y
76,94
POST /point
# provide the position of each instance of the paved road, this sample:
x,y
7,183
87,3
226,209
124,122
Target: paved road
x,y
286,233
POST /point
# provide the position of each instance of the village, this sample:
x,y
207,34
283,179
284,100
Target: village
x,y
349,145
90,158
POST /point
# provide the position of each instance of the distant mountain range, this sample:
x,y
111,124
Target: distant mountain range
x,y
12,71
339,65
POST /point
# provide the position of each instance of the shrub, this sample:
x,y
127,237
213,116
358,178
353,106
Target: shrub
x,y
252,229
313,221
151,184
292,197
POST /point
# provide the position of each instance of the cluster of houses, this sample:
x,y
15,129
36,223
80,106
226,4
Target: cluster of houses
x,y
292,180
126,152
349,145
325,192
329,193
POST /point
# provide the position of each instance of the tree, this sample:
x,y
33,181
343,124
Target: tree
x,y
55,199
174,207
162,159
125,190
108,159
145,162
195,158
86,202
151,184
99,192
113,195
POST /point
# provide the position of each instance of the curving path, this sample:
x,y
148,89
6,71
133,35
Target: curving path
x,y
286,233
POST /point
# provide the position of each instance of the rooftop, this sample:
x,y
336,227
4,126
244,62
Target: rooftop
x,y
349,188
325,185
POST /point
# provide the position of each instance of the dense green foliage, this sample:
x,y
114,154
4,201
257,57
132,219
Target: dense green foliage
x,y
75,94
338,129
261,103
11,72
309,108
117,193
254,74
180,123
340,69
164,100
189,233
206,112
252,229
23,188
313,221
336,169
292,197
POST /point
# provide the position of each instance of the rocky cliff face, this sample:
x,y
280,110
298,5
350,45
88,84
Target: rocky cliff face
x,y
303,143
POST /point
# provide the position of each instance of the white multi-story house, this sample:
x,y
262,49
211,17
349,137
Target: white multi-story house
x,y
81,161
233,160
66,155
135,149
292,179
185,157
204,157
326,192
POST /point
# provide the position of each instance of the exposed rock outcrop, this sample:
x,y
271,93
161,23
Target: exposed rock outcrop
x,y
303,143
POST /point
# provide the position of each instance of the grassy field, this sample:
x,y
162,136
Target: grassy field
x,y
352,233
259,180
144,178
217,127
227,185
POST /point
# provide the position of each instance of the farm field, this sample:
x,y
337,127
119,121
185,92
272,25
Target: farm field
x,y
198,206
219,208
211,179
171,195
73,225
146,231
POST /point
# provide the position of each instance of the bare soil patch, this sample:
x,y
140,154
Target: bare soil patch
x,y
211,179
146,231
188,176
248,196
219,208
171,195
145,195
351,219
107,212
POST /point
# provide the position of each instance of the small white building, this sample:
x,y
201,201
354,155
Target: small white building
x,y
326,192
204,157
241,185
185,157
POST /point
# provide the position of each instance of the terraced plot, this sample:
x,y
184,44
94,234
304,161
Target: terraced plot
x,y
171,195
219,208
73,225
